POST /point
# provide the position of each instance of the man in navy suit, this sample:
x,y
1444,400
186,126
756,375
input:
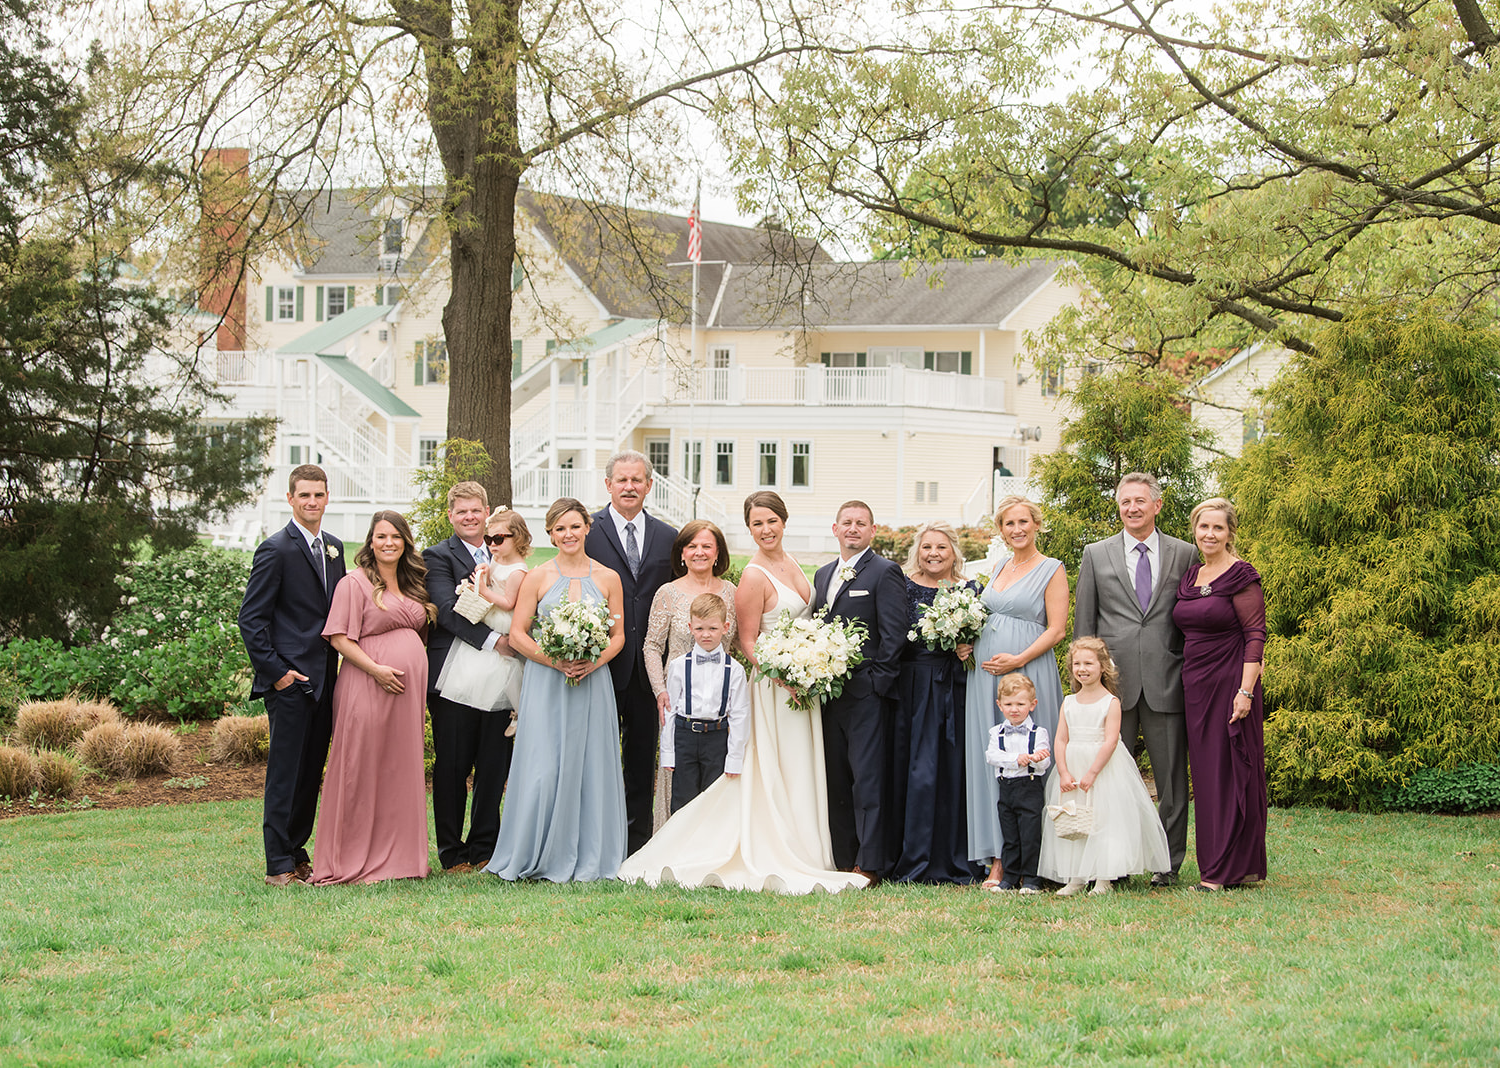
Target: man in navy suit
x,y
861,585
466,741
639,549
281,621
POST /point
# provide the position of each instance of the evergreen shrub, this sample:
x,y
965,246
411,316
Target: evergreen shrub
x,y
1471,788
1371,508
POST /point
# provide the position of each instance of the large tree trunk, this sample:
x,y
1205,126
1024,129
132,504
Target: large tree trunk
x,y
472,105
476,321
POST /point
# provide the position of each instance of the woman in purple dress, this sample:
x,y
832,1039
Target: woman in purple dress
x,y
1221,611
373,822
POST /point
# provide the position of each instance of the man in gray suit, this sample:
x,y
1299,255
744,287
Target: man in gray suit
x,y
1127,588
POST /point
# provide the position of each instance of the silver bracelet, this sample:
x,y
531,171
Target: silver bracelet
x,y
1245,693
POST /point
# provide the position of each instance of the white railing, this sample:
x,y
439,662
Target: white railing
x,y
383,368
358,445
773,385
389,486
855,385
838,386
532,437
540,486
673,501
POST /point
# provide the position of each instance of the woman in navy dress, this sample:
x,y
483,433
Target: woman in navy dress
x,y
1221,611
927,745
1027,598
564,815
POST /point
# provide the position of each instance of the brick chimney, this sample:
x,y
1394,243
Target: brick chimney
x,y
222,283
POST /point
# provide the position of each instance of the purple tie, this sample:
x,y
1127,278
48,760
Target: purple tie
x,y
1142,576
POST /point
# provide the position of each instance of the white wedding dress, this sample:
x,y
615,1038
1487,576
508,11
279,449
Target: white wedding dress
x,y
768,828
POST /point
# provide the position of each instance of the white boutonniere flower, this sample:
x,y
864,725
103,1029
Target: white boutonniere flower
x,y
846,573
332,551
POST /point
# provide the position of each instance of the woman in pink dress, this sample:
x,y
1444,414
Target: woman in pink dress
x,y
373,821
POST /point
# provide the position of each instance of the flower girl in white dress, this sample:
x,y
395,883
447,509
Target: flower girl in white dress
x,y
480,678
1095,770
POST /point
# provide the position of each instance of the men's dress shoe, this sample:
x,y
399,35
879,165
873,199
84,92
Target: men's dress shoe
x,y
286,878
874,879
1077,886
1164,878
461,868
303,871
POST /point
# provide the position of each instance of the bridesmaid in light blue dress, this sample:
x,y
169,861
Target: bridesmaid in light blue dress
x,y
564,816
1027,599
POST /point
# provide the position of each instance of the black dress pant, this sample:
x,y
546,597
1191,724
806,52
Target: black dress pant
x,y
301,726
854,758
700,760
640,727
1021,803
467,741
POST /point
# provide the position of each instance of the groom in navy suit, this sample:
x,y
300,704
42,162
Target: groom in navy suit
x,y
281,621
864,586
639,549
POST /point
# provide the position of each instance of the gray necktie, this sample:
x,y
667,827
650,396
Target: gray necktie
x,y
317,548
1142,576
632,550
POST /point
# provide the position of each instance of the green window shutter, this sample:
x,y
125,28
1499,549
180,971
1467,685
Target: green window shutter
x,y
348,297
380,295
516,346
299,302
551,344
318,304
929,360
270,304
859,359
517,274
827,359
417,352
966,363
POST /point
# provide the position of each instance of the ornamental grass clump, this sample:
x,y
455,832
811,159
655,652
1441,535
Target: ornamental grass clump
x,y
17,772
58,774
241,739
59,724
130,751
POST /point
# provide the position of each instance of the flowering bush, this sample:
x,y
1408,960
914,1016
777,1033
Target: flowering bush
x,y
813,655
173,648
574,630
894,543
955,617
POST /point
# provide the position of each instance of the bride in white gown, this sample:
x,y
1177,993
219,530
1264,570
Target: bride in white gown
x,y
766,829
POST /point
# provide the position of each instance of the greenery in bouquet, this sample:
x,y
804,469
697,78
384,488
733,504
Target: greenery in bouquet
x,y
574,630
814,656
955,617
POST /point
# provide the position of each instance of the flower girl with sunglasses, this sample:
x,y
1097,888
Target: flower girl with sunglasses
x,y
481,678
1095,770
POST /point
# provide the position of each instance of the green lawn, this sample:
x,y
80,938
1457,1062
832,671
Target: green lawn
x,y
147,935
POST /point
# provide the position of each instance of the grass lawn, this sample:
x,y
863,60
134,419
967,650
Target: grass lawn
x,y
147,935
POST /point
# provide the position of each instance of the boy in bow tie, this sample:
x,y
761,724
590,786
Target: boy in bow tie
x,y
1019,753
706,726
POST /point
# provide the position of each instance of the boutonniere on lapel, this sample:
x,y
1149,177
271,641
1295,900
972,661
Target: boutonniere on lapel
x,y
332,551
846,573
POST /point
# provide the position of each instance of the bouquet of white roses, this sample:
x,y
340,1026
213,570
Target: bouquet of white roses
x,y
814,656
574,630
955,617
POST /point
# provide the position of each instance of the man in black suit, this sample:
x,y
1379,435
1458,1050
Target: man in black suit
x,y
465,740
281,621
865,586
639,549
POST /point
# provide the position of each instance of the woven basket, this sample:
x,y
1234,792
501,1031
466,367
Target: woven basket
x,y
1072,820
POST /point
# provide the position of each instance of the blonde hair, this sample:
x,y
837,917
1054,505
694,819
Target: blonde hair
x,y
709,606
1231,520
1007,503
515,524
1108,673
562,506
1015,682
467,491
947,531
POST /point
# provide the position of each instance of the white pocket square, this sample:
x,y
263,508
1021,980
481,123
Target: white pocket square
x,y
859,593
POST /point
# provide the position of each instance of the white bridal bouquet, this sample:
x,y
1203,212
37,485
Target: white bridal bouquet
x,y
814,656
955,617
575,630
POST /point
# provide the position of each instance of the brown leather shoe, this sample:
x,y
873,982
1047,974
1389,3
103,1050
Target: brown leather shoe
x,y
874,879
303,871
461,868
286,878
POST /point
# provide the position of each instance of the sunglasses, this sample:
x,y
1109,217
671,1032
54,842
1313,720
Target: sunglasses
x,y
495,539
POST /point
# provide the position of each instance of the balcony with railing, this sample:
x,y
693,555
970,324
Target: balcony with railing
x,y
819,386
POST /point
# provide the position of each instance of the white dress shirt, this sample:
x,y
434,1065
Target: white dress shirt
x,y
708,695
1006,746
836,584
1153,554
640,528
481,556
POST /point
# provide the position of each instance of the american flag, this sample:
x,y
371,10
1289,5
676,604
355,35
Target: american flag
x,y
695,235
